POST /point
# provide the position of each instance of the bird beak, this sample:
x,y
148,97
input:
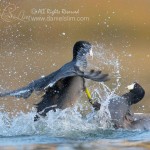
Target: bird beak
x,y
131,87
91,53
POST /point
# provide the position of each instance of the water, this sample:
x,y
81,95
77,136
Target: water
x,y
72,128
63,129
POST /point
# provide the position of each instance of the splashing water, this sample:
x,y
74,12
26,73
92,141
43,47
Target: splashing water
x,y
108,61
59,123
70,122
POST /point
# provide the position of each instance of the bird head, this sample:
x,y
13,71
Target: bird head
x,y
138,92
131,86
134,87
82,49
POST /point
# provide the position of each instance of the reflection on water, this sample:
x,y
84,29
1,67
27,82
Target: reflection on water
x,y
111,140
32,48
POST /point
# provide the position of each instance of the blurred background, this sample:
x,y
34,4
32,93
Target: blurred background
x,y
36,38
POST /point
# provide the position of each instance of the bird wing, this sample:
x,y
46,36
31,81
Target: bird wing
x,y
70,69
53,95
24,92
44,83
36,85
94,75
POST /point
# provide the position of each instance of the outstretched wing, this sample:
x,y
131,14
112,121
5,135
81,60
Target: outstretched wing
x,y
70,69
36,85
41,84
24,92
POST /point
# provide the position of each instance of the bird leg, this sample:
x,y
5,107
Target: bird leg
x,y
95,105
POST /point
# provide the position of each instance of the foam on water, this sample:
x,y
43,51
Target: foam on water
x,y
59,123
70,122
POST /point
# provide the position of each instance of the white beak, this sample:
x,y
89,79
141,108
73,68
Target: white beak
x,y
131,87
91,53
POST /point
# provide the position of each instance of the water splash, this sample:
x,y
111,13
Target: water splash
x,y
106,60
59,123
